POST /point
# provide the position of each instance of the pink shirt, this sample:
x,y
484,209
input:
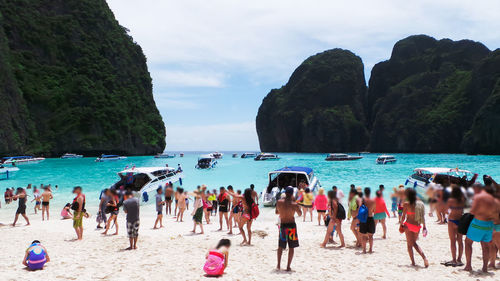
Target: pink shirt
x,y
321,202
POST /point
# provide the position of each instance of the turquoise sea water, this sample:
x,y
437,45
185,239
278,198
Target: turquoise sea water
x,y
240,173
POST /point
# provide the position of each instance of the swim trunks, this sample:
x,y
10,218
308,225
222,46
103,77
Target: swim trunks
x,y
168,199
198,215
480,231
368,226
160,212
45,203
236,209
37,203
78,222
379,216
133,229
288,235
21,210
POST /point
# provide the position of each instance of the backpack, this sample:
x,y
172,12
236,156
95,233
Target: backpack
x,y
340,211
363,214
255,211
464,223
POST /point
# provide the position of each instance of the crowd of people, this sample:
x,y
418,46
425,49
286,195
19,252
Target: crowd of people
x,y
237,209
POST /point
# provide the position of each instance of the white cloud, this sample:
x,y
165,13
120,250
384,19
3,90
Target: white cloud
x,y
231,136
175,78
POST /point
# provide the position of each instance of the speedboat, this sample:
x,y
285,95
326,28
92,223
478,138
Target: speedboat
x,y
165,155
206,162
248,155
341,157
235,155
7,172
266,156
422,177
144,181
217,155
288,176
181,155
71,156
385,159
108,158
14,160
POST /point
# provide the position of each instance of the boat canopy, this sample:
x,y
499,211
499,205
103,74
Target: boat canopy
x,y
148,170
206,156
385,156
18,157
434,170
109,156
306,170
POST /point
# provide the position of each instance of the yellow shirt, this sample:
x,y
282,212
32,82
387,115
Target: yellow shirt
x,y
308,199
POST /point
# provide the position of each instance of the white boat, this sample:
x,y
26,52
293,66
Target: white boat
x,y
422,177
266,156
165,155
14,160
7,172
144,181
248,155
217,155
108,158
385,159
341,157
207,161
71,156
288,176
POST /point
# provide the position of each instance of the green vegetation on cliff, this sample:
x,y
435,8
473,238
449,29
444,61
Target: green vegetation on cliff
x,y
73,81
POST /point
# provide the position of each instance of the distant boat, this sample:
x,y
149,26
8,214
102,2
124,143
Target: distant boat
x,y
71,156
341,157
7,172
248,155
165,155
181,155
266,156
206,162
217,155
235,155
108,158
14,160
385,159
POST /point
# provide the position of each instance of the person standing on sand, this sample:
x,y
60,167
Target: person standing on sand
x,y
131,208
37,199
198,211
176,199
101,215
308,203
46,197
367,229
321,205
353,208
286,209
495,242
114,209
339,194
413,216
485,210
159,208
381,212
334,221
182,204
456,205
394,201
246,214
255,195
169,192
78,206
21,209
223,208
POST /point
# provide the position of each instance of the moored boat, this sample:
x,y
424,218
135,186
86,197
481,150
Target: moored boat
x,y
248,155
14,160
235,155
165,155
266,156
207,161
217,155
385,159
341,157
71,156
109,158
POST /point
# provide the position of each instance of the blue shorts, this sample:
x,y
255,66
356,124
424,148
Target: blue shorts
x,y
480,231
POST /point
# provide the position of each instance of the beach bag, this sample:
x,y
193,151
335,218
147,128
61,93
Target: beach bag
x,y
340,212
214,265
363,214
464,223
255,211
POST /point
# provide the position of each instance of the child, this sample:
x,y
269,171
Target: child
x,y
216,260
66,212
36,256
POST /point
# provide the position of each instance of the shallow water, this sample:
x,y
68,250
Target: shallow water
x,y
240,173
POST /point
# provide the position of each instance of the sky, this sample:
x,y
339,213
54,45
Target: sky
x,y
212,62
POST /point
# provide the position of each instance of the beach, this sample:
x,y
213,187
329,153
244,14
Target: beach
x,y
173,253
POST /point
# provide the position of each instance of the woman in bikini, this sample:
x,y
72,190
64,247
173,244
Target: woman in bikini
x,y
411,224
456,205
113,208
334,222
246,215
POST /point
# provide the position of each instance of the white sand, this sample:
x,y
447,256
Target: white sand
x,y
172,253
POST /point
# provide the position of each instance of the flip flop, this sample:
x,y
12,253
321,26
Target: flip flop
x,y
448,263
459,264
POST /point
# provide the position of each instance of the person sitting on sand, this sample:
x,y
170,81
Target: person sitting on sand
x,y
456,205
36,256
66,212
182,204
381,212
159,208
321,205
131,208
286,209
197,211
217,259
413,216
21,209
485,210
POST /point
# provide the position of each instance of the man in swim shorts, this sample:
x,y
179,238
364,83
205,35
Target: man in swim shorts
x,y
367,229
46,197
480,229
78,206
131,208
286,209
223,201
169,192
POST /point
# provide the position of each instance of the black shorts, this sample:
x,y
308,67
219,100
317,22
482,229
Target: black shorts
x,y
223,208
368,226
288,235
45,203
168,199
21,210
160,212
321,211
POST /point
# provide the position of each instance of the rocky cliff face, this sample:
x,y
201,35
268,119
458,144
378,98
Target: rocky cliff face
x,y
72,80
430,96
319,109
